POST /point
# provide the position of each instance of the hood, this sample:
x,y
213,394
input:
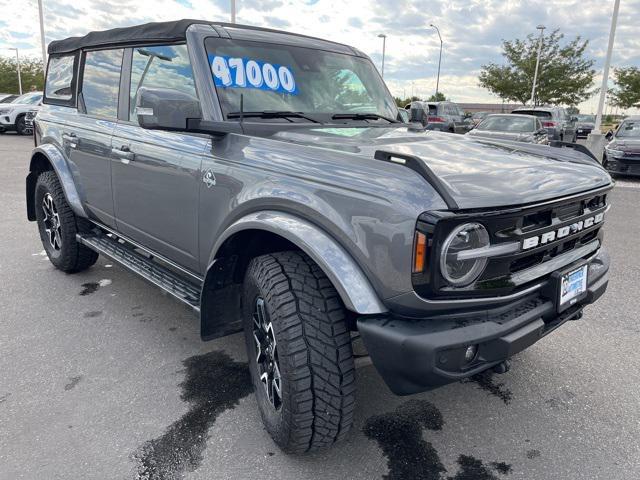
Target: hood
x,y
16,106
629,145
476,172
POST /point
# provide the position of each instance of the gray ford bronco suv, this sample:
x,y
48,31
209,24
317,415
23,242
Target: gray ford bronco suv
x,y
264,179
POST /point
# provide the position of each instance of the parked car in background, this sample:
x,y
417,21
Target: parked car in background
x,y
442,116
477,117
7,97
555,119
622,154
519,128
584,125
12,115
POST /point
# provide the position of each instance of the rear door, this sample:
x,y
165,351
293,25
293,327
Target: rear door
x,y
156,175
87,133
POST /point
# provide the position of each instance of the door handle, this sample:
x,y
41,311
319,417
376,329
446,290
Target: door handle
x,y
124,154
71,138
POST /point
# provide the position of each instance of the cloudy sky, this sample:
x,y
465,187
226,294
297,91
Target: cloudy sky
x,y
472,30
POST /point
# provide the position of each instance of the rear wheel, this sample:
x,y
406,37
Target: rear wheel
x,y
299,350
58,226
21,127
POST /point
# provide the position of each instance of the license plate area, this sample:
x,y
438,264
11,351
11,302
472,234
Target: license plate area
x,y
571,286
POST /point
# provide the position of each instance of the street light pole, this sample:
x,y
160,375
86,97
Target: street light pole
x,y
607,64
384,42
233,11
439,60
18,65
595,140
42,40
535,75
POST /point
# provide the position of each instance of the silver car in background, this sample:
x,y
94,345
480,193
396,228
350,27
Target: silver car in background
x,y
519,128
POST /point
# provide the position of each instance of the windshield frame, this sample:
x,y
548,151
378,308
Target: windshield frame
x,y
382,94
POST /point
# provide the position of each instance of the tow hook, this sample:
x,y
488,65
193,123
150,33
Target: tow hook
x,y
502,367
577,316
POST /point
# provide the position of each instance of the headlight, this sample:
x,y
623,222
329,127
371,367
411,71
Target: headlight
x,y
461,272
5,111
614,153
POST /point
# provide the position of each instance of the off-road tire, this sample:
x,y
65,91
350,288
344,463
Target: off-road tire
x,y
71,256
21,125
314,351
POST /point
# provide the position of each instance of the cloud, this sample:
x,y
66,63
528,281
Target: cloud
x,y
472,30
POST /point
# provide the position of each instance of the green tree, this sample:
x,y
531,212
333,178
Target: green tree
x,y
565,75
30,72
440,97
626,93
401,102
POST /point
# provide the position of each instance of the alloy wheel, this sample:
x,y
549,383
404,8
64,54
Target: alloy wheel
x,y
267,354
51,222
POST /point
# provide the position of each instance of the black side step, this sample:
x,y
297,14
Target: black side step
x,y
151,271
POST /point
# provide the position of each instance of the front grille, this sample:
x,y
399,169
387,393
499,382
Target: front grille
x,y
509,273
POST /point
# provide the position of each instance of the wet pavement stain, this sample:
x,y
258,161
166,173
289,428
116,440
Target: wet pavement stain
x,y
400,436
73,381
531,454
92,314
214,382
89,288
486,382
473,469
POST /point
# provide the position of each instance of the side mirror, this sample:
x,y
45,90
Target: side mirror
x,y
609,135
166,109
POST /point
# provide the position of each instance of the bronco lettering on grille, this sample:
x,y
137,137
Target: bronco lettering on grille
x,y
561,232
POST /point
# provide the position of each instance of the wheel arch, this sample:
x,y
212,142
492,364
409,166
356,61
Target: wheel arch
x,y
48,157
267,232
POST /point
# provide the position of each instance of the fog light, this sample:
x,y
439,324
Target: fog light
x,y
470,353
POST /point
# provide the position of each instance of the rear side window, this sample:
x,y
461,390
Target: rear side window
x,y
101,82
535,113
160,67
60,85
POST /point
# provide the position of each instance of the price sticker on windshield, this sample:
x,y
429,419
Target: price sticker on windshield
x,y
235,72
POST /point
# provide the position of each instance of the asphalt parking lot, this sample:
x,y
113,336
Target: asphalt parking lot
x,y
104,377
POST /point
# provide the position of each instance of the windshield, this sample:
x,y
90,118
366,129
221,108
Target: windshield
x,y
586,118
506,123
284,78
28,98
629,129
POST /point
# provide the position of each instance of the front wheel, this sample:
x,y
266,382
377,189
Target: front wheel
x,y
21,126
299,350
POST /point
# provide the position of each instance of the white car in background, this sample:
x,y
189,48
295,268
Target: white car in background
x,y
12,115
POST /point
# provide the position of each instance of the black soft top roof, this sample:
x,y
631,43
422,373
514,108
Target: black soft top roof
x,y
158,32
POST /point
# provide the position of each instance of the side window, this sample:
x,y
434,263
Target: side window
x,y
160,67
101,82
60,84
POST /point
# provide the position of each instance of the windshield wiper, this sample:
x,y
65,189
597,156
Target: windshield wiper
x,y
271,114
362,116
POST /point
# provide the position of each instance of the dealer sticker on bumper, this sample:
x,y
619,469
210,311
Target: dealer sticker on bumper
x,y
572,285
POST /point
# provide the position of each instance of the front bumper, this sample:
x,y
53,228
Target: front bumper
x,y
6,123
623,166
414,355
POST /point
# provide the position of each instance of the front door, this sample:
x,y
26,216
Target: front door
x,y
156,175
